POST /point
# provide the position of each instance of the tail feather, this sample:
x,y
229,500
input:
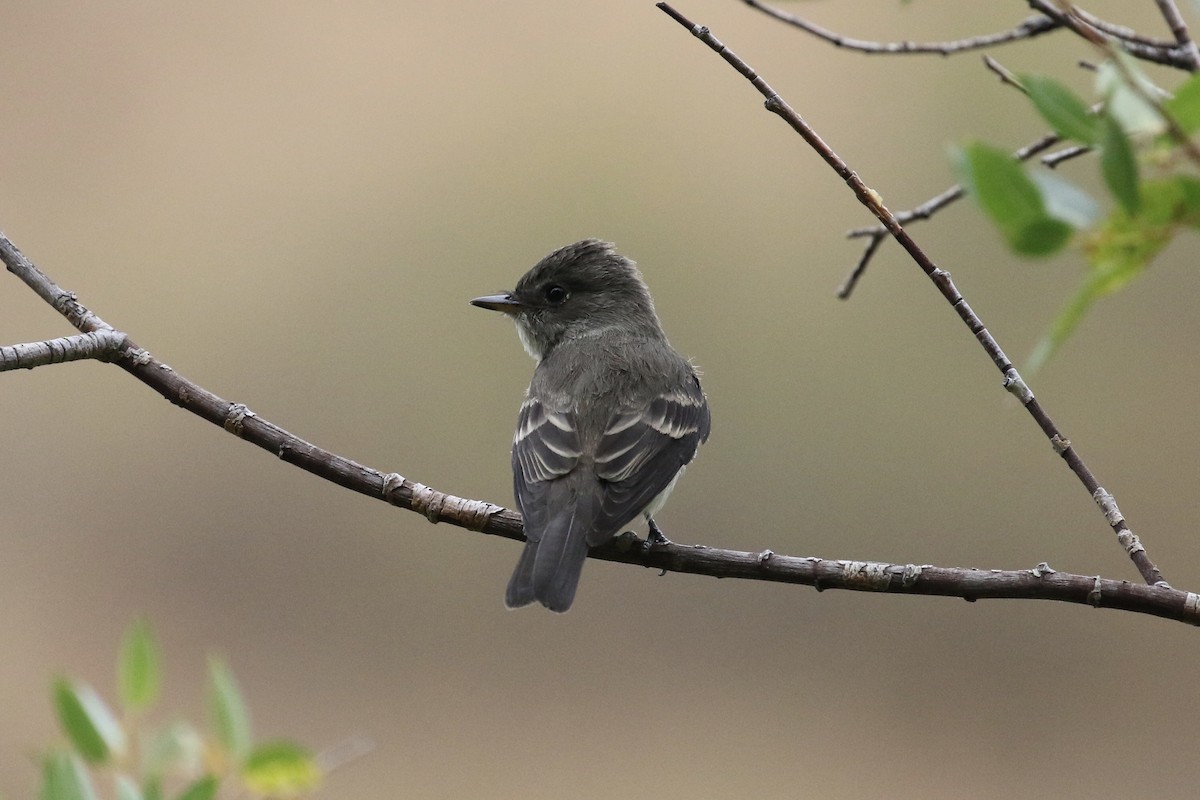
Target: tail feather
x,y
549,569
520,586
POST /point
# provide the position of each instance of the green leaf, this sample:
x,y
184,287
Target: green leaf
x,y
999,184
1184,107
1119,167
138,667
203,789
126,788
1103,281
87,721
1062,108
1011,199
65,778
1121,249
1043,236
281,769
1066,322
230,720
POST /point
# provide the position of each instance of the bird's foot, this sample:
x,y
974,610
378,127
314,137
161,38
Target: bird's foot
x,y
655,537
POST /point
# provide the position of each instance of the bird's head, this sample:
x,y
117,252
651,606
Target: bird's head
x,y
583,289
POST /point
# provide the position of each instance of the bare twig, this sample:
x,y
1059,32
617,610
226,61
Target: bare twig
x,y
941,279
1052,160
1048,19
1097,31
100,345
1038,583
1026,29
1179,30
1121,32
1006,75
847,288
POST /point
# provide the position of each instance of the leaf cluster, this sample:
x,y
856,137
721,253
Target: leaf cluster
x,y
177,760
1147,164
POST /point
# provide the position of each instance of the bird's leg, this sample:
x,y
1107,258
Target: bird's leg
x,y
655,536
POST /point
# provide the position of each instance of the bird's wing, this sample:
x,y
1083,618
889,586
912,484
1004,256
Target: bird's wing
x,y
557,503
639,453
643,449
545,446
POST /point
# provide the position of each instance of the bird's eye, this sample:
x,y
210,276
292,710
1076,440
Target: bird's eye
x,y
555,294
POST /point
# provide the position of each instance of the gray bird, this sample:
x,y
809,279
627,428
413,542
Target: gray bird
x,y
612,416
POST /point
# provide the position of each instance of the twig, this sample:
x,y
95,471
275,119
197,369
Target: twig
x,y
1052,160
1121,32
1006,75
1049,19
847,288
1026,29
876,233
1096,31
1038,583
1179,30
101,345
941,279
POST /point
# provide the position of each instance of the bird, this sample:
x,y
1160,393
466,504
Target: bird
x,y
611,417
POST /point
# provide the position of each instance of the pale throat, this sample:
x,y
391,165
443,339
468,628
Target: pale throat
x,y
527,340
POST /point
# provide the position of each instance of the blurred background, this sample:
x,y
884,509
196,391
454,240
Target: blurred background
x,y
291,204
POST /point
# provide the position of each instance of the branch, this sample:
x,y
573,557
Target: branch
x,y
941,279
1039,583
1052,160
1179,30
1005,75
1098,32
1181,54
1121,32
100,345
1026,29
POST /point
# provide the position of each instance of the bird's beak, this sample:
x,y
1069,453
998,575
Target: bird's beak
x,y
498,302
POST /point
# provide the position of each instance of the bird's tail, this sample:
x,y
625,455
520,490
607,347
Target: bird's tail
x,y
549,568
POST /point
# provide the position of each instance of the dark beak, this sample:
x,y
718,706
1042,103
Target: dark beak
x,y
498,302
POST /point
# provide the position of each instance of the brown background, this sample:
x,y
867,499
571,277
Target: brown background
x,y
291,204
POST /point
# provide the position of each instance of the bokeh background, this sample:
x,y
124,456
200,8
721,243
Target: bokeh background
x,y
291,203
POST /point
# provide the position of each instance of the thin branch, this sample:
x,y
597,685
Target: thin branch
x,y
847,288
941,279
1026,29
101,345
1048,19
1179,30
877,233
1038,583
1005,74
1097,31
1128,35
1052,160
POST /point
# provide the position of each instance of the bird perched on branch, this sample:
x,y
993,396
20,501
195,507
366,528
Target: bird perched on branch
x,y
611,418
